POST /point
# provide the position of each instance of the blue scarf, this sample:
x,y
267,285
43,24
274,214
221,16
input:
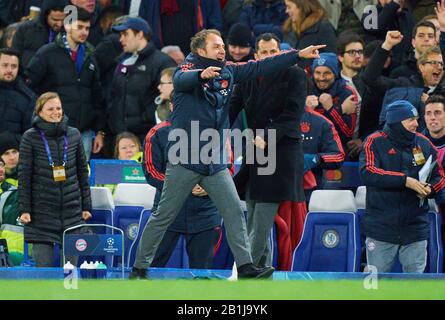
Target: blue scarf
x,y
80,53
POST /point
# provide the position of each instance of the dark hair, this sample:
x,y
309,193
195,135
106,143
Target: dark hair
x,y
423,23
266,37
371,46
10,52
112,11
146,36
199,40
82,15
345,38
435,98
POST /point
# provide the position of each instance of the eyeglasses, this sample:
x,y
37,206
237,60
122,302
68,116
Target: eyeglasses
x,y
434,63
162,83
353,52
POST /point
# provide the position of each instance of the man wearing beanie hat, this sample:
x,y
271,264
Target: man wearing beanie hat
x,y
396,219
239,43
332,97
9,153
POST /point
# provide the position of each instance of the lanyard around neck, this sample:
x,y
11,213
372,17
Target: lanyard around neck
x,y
48,151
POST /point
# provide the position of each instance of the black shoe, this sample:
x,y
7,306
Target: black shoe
x,y
137,273
250,271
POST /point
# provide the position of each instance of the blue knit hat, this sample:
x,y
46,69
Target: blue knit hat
x,y
400,110
327,59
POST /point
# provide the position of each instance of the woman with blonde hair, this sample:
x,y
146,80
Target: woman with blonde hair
x,y
307,25
54,193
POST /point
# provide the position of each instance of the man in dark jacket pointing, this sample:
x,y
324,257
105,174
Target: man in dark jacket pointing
x,y
203,85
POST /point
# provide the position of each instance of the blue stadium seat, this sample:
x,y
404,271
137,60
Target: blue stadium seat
x,y
331,235
130,201
134,245
435,245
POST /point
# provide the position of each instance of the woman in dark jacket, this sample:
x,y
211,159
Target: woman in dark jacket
x,y
307,25
54,193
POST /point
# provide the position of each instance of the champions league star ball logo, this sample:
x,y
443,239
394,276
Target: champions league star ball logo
x,y
110,241
81,245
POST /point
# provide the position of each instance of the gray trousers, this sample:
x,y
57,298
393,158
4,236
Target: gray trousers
x,y
260,220
43,255
178,184
382,255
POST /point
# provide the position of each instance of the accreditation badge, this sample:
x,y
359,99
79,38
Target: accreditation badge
x,y
419,158
59,173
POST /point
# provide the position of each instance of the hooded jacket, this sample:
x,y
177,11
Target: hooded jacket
x,y
33,34
54,206
393,212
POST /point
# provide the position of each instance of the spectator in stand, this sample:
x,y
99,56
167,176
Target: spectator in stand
x,y
264,16
54,193
165,88
430,65
239,44
107,51
331,96
396,218
307,25
9,34
350,53
68,67
231,10
127,147
33,34
175,22
131,105
433,19
16,99
421,8
424,37
16,10
9,152
4,186
392,15
435,123
175,53
95,34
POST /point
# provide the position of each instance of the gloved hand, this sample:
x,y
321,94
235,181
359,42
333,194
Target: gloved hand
x,y
310,161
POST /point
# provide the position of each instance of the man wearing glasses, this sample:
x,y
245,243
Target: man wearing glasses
x,y
430,65
350,53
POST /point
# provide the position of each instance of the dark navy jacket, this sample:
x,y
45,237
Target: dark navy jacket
x,y
201,105
393,213
344,123
262,17
320,137
198,213
210,10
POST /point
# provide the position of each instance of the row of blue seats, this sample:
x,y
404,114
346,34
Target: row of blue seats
x,y
331,240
